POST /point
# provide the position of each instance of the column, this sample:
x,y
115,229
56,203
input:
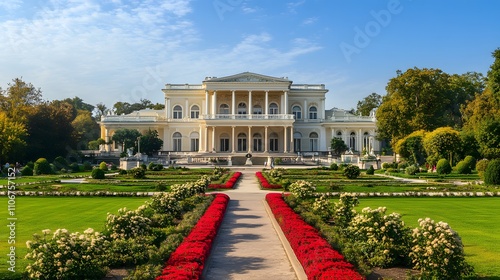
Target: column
x,y
205,135
187,113
285,111
206,103
285,144
267,105
214,103
249,139
305,115
167,109
333,133
250,107
213,139
291,140
322,108
360,139
200,144
265,136
233,103
106,138
232,138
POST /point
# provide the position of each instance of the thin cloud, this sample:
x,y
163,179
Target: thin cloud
x,y
309,21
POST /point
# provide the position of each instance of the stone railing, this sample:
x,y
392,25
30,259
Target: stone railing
x,y
131,118
248,117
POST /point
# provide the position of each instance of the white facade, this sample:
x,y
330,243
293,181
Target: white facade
x,y
247,113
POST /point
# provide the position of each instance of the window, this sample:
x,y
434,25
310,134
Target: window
x,y
273,142
297,112
273,109
177,112
352,141
195,112
177,142
313,141
224,142
257,110
224,109
257,142
242,142
313,113
297,143
195,141
242,109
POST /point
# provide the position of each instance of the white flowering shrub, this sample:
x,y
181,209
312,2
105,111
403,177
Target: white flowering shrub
x,y
383,240
343,210
438,251
302,189
322,207
127,224
164,203
66,255
186,190
275,175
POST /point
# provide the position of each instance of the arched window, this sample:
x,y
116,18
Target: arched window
x,y
224,109
242,142
257,110
177,112
242,108
352,141
177,142
224,142
297,112
257,142
195,112
195,141
313,113
313,141
273,109
273,142
297,141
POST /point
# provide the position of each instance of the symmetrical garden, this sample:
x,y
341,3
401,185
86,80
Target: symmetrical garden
x,y
335,219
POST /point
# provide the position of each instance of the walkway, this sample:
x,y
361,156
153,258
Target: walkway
x,y
247,245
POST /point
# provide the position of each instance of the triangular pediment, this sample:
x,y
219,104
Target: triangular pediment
x,y
246,77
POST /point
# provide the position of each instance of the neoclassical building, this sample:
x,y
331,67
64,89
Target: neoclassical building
x,y
246,113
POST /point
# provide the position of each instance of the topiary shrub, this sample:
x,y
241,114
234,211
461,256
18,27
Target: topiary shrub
x,y
27,171
103,166
352,171
471,161
492,173
334,167
370,170
443,166
138,173
98,173
42,166
386,165
463,167
481,167
75,167
411,170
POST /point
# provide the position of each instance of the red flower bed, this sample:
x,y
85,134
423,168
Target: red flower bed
x,y
229,184
264,183
318,258
188,260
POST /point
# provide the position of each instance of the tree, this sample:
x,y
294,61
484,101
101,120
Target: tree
x,y
126,137
50,130
338,146
443,142
488,137
494,75
411,147
19,98
94,144
150,143
368,103
85,128
100,110
78,104
12,138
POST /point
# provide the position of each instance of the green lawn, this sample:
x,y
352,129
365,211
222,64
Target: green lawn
x,y
73,213
475,219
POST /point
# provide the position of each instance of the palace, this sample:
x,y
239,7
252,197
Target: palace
x,y
246,113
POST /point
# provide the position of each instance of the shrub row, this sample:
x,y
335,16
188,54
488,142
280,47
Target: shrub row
x,y
188,260
318,258
227,185
264,183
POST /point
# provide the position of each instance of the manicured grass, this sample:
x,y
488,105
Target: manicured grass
x,y
475,219
35,214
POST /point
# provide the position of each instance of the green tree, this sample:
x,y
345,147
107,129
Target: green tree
x,y
150,142
78,104
100,110
126,137
338,146
368,103
443,142
19,98
411,147
12,138
494,75
85,129
488,138
94,144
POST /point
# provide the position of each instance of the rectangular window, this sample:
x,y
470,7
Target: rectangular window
x,y
242,145
273,145
195,114
195,144
297,144
257,145
224,145
177,145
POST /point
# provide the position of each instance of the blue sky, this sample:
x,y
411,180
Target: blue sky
x,y
116,50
